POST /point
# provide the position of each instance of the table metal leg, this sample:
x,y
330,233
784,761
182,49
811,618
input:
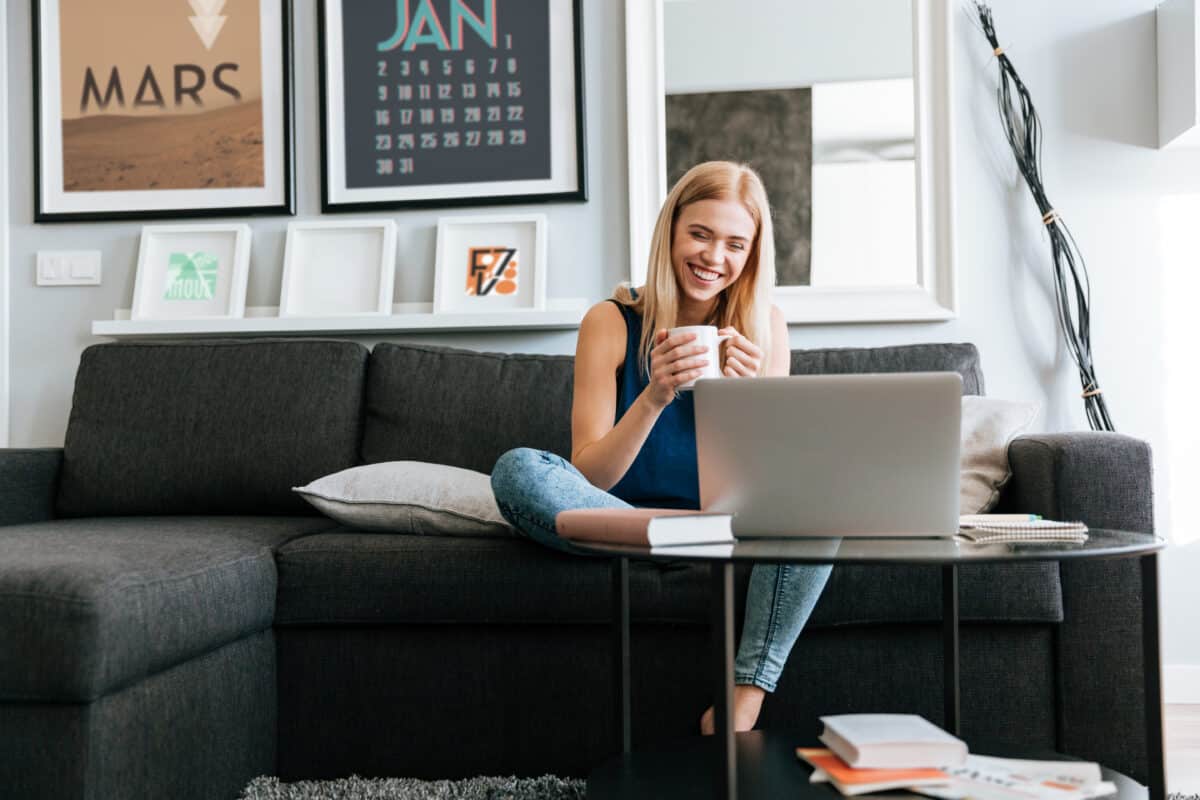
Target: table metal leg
x,y
1152,666
722,628
950,654
620,578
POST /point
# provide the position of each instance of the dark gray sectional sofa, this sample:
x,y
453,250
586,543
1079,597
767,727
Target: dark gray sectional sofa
x,y
174,621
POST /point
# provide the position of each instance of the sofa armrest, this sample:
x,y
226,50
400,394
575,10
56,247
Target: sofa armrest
x,y
1105,480
28,481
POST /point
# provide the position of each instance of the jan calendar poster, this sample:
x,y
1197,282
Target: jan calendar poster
x,y
162,108
428,103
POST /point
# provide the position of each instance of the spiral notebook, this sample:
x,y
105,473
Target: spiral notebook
x,y
1038,530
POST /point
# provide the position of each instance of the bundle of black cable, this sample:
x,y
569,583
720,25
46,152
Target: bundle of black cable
x,y
1024,132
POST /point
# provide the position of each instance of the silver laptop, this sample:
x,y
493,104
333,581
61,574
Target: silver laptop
x,y
832,455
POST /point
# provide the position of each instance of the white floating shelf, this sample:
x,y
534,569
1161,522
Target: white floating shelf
x,y
560,314
1178,74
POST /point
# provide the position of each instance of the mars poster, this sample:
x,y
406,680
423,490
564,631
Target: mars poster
x,y
163,107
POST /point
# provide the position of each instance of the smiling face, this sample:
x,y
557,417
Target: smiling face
x,y
709,248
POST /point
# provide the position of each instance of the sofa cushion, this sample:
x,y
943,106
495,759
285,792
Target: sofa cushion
x,y
988,425
107,602
960,358
359,578
410,497
209,427
463,408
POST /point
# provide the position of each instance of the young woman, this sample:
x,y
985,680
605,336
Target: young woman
x,y
712,262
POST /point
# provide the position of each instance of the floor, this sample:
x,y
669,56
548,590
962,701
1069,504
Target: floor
x,y
1181,728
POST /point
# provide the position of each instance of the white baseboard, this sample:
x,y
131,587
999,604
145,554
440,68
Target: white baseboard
x,y
1181,683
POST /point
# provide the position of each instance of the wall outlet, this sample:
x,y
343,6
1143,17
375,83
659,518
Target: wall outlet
x,y
68,268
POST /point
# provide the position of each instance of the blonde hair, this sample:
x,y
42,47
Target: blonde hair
x,y
746,305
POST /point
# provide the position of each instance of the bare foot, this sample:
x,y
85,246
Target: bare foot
x,y
747,702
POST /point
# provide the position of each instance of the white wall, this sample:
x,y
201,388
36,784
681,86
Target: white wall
x,y
1091,69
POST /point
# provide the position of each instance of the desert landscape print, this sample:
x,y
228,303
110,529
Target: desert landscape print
x,y
222,149
161,94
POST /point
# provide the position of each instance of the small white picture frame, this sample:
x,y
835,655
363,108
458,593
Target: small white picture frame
x,y
490,263
338,268
191,272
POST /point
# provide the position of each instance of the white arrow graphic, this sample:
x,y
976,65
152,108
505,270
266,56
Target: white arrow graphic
x,y
208,20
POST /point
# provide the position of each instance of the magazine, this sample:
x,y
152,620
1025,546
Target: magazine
x,y
992,778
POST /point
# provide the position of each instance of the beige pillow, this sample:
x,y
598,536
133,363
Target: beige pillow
x,y
409,497
988,425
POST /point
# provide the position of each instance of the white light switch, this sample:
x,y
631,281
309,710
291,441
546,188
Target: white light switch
x,y
68,268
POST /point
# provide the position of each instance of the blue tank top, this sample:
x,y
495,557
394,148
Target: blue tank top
x,y
664,473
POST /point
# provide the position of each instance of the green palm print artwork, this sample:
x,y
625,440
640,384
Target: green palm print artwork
x,y
191,276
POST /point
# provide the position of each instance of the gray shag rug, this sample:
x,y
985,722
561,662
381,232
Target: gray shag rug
x,y
547,787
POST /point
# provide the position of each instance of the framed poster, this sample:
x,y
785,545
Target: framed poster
x,y
450,102
495,263
191,272
337,268
152,109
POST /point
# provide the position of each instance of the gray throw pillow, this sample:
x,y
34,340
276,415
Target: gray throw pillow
x,y
988,425
409,497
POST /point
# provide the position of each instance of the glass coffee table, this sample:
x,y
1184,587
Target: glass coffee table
x,y
769,767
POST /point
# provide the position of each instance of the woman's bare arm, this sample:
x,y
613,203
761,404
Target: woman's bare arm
x,y
601,451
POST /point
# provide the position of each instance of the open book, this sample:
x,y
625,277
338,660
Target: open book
x,y
647,527
991,778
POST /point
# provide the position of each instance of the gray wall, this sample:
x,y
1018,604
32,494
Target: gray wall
x,y
51,326
776,44
1091,69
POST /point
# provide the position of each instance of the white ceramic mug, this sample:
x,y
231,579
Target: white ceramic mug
x,y
706,335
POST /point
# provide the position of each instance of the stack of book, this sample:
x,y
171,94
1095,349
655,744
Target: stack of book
x,y
879,752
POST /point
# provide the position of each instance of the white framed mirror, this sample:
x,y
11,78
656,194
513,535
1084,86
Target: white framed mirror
x,y
844,108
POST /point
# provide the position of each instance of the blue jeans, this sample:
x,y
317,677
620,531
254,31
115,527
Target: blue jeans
x,y
532,486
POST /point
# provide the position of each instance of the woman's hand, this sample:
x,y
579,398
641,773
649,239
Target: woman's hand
x,y
674,361
743,358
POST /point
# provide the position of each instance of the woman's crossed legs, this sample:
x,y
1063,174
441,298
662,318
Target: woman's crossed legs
x,y
532,486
